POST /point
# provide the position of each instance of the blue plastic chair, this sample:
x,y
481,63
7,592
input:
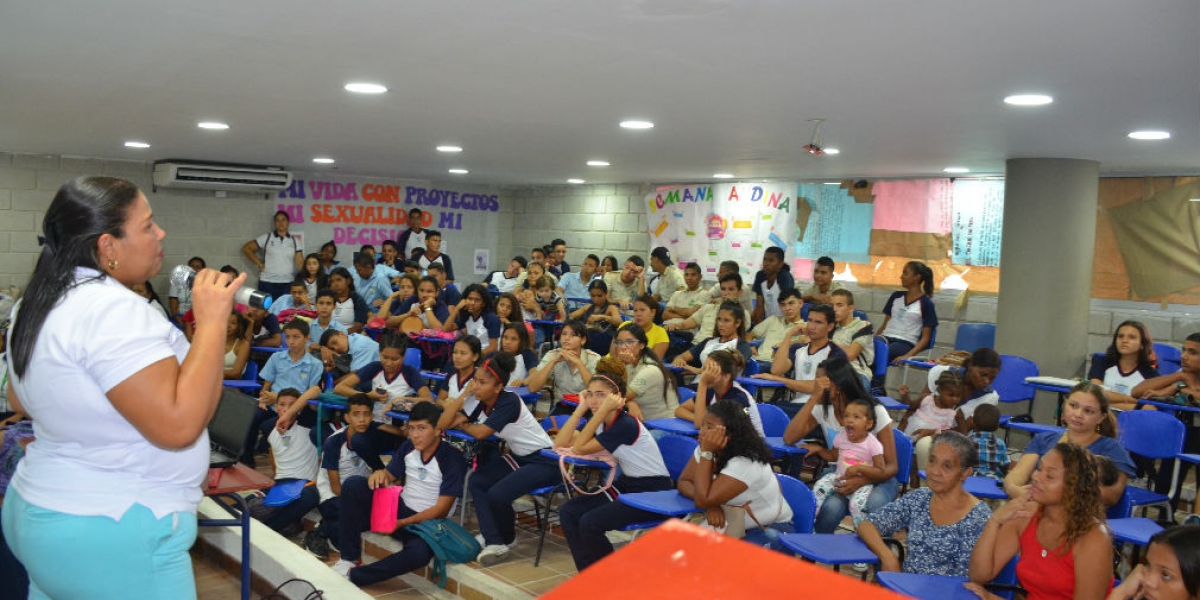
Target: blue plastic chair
x,y
249,382
1010,383
752,368
774,420
685,394
412,358
802,502
860,314
1155,435
1168,358
1123,509
973,336
904,458
676,451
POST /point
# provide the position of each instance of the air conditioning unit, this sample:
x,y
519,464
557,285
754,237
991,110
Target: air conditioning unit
x,y
216,176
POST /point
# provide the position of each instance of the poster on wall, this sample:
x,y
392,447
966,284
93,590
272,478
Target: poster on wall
x,y
711,223
838,226
978,220
355,213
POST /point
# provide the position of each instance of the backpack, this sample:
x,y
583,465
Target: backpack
x,y
449,542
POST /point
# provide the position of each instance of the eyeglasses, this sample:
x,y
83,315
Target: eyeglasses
x,y
625,342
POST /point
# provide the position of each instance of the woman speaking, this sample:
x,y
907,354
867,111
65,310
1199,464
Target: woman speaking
x,y
104,503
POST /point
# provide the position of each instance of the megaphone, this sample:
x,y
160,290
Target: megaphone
x,y
185,276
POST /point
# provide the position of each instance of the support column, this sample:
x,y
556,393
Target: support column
x,y
1046,265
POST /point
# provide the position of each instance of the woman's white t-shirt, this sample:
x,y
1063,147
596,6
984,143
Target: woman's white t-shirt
x,y
829,421
762,492
90,460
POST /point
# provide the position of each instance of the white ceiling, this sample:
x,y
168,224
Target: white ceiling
x,y
534,88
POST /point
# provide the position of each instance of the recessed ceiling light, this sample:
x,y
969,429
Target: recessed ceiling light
x,y
723,175
323,160
1194,200
1149,135
365,88
132,144
459,171
833,183
576,181
212,125
1028,99
449,148
832,151
598,163
956,170
637,124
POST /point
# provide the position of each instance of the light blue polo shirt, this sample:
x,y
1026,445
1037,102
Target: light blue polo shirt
x,y
283,373
363,351
378,287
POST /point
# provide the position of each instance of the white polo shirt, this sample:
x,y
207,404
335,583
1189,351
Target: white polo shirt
x,y
279,254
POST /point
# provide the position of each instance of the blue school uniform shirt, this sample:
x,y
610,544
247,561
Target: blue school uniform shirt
x,y
285,373
450,295
1105,446
486,327
363,350
739,394
426,480
315,330
514,424
634,448
378,287
337,456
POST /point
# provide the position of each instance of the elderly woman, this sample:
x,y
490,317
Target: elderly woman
x,y
943,521
112,483
1058,529
836,383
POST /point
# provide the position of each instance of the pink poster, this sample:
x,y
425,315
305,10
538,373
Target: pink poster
x,y
917,206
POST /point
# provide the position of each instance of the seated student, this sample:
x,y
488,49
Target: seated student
x,y
412,240
295,369
1090,425
508,310
1171,570
515,341
348,352
1056,526
853,335
535,271
371,282
313,275
341,460
390,257
1128,362
474,316
328,256
685,302
264,328
601,313
645,311
574,284
349,309
427,306
586,519
569,366
412,268
460,383
745,294
293,457
731,468
296,303
432,473
728,332
942,520
773,330
498,480
447,291
773,278
558,251
539,254
237,345
699,326
506,280
823,285
628,283
394,309
1186,381
914,313
651,391
608,264
433,256
937,412
669,278
326,301
386,380
718,381
796,366
993,452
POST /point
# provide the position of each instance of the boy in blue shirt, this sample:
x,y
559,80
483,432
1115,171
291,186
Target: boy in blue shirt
x,y
296,369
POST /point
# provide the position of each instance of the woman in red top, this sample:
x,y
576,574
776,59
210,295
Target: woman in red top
x,y
1066,550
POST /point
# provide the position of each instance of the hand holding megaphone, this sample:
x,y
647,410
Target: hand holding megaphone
x,y
185,276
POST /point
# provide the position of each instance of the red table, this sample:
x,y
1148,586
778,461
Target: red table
x,y
228,482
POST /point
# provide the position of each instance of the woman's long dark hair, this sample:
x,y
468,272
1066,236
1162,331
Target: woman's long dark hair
x,y
743,438
322,278
739,313
845,379
1184,542
485,297
83,209
1146,357
516,315
154,297
648,355
344,273
925,273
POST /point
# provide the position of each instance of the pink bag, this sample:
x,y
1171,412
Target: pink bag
x,y
384,507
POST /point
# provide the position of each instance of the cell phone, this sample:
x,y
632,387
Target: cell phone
x,y
380,390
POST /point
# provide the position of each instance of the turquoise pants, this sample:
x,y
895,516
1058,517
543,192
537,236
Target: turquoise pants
x,y
69,556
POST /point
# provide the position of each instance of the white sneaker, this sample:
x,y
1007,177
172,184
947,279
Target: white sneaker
x,y
342,567
479,538
859,567
492,554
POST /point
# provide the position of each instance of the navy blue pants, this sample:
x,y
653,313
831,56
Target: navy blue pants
x,y
356,501
496,483
585,519
373,444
